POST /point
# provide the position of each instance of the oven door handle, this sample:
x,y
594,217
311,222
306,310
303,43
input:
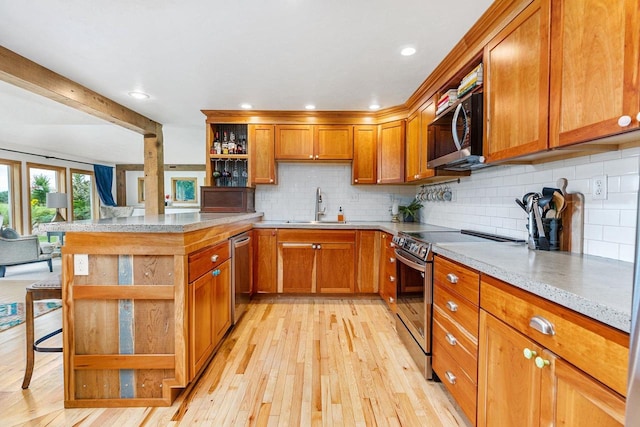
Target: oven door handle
x,y
410,263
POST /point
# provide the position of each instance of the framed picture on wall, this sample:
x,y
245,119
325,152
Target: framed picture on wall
x,y
184,190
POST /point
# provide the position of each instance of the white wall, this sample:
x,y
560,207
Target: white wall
x,y
485,200
294,195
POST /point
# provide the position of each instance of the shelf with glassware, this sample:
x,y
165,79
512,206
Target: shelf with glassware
x,y
227,149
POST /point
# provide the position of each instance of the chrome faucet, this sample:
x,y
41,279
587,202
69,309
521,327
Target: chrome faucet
x,y
317,210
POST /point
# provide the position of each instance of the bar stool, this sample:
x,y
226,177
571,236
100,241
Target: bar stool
x,y
42,290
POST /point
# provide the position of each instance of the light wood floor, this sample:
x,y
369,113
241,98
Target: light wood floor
x,y
290,361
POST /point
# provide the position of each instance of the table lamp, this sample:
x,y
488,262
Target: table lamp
x,y
57,201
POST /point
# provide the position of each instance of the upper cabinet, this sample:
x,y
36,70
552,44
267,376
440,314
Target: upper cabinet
x,y
416,152
314,142
262,167
365,149
227,157
391,152
516,93
594,69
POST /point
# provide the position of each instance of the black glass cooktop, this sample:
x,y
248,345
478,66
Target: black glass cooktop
x,y
458,236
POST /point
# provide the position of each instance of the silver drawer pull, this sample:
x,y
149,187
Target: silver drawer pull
x,y
392,260
215,258
452,306
451,339
392,279
452,278
450,377
542,325
392,300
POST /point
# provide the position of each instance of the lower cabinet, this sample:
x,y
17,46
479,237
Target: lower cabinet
x,y
542,364
209,303
316,261
265,267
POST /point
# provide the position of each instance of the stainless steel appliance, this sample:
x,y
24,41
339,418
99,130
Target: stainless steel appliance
x,y
241,273
454,139
633,392
414,278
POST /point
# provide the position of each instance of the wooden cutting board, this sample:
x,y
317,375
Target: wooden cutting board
x,y
572,234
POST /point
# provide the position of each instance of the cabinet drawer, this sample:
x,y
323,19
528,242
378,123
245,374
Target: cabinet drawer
x,y
455,380
461,345
595,348
207,258
454,276
460,310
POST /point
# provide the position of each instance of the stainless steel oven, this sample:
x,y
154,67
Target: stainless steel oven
x,y
414,278
414,299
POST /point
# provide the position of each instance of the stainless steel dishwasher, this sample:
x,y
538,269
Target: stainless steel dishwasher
x,y
241,273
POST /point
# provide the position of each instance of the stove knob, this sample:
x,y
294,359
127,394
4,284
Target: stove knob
x,y
423,252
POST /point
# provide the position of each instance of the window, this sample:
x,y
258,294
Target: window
x,y
44,179
83,195
183,190
10,206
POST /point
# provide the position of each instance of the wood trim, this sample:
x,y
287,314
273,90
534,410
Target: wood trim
x,y
147,292
121,361
24,73
269,117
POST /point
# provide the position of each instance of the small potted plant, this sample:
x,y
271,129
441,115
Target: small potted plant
x,y
410,211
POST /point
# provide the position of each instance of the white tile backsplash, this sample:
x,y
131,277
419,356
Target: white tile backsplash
x,y
483,201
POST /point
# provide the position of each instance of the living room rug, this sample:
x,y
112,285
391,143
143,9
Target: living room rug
x,y
12,307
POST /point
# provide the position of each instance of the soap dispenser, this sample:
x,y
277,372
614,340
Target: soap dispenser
x,y
340,214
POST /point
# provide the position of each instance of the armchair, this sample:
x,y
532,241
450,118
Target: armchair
x,y
16,250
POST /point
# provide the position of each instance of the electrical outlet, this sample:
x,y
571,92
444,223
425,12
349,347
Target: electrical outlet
x,y
81,264
599,189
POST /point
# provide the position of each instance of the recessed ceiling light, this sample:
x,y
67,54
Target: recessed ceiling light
x,y
310,107
246,106
138,95
408,51
374,107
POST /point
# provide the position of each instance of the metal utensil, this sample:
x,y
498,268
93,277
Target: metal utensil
x,y
522,205
543,242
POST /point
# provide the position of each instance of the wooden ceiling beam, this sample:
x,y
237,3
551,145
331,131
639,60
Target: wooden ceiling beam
x,y
24,73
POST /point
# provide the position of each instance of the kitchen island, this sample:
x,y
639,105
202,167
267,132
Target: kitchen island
x,y
129,330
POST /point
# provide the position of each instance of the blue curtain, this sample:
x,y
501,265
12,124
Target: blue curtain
x,y
104,181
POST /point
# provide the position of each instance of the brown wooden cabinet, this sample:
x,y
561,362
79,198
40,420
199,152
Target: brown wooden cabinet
x,y
365,149
312,261
594,69
455,331
516,94
262,168
368,250
265,260
209,303
391,152
556,366
387,263
412,148
314,142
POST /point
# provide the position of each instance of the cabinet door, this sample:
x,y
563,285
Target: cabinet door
x,y
388,273
427,115
262,168
336,267
333,142
201,328
517,86
508,383
412,148
391,153
365,143
294,142
368,250
265,261
221,301
296,267
594,69
578,400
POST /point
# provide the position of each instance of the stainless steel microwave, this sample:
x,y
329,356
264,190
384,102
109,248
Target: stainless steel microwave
x,y
454,139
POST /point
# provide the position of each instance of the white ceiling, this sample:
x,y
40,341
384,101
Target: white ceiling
x,y
190,55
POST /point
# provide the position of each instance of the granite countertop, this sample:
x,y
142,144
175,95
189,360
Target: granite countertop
x,y
169,223
597,287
